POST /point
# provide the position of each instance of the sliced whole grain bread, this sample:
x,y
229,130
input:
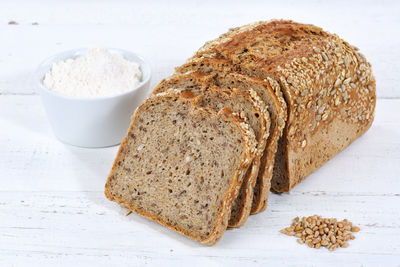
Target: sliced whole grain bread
x,y
182,165
320,93
327,83
249,104
269,90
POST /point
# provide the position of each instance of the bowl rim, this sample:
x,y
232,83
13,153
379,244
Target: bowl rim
x,y
47,64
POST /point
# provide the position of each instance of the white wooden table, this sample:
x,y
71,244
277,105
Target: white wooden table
x,y
52,208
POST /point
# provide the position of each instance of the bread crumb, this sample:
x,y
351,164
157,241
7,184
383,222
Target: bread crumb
x,y
128,212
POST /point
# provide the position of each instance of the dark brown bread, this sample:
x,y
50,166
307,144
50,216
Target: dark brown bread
x,y
249,104
182,165
328,86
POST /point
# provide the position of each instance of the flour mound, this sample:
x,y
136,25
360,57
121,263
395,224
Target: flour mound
x,y
98,73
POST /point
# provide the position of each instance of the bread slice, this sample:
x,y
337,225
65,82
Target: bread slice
x,y
270,92
182,165
327,83
246,102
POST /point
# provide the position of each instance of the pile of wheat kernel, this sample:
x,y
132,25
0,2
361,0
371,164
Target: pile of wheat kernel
x,y
317,232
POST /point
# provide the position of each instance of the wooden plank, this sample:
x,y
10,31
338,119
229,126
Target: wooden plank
x,y
53,210
69,228
168,34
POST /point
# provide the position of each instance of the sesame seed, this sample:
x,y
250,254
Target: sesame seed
x,y
324,56
346,61
345,95
337,101
304,143
338,82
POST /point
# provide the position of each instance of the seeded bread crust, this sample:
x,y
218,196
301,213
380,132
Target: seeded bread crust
x,y
224,73
216,97
228,36
248,152
328,86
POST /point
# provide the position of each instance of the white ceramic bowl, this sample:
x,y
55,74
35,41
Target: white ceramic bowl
x,y
91,122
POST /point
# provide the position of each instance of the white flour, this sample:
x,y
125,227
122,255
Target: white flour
x,y
98,73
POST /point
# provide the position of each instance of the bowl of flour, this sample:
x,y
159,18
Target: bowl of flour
x,y
90,94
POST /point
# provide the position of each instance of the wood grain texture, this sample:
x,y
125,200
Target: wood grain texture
x,y
151,29
52,208
69,228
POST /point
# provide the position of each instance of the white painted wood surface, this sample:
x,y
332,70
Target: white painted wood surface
x,y
52,208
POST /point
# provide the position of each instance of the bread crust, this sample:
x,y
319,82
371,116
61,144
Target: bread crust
x,y
248,153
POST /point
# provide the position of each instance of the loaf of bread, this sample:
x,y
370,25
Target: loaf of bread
x,y
185,160
249,104
327,84
182,165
